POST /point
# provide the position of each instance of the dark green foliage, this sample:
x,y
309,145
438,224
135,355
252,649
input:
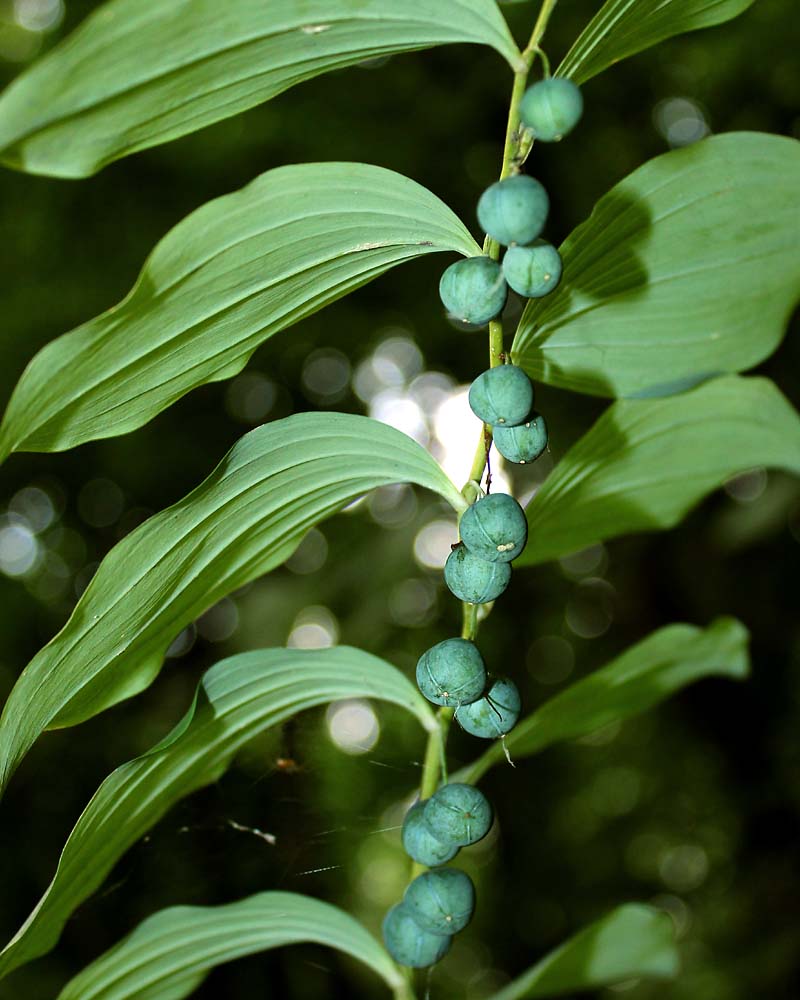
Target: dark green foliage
x,y
551,108
502,395
451,672
474,290
473,579
419,842
495,528
458,814
523,443
493,715
408,943
514,210
442,900
533,271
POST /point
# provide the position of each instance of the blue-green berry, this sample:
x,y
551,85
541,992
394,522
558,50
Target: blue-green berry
x,y
451,672
533,271
514,210
551,108
502,395
441,900
458,814
474,290
408,943
495,528
493,715
420,843
473,579
522,443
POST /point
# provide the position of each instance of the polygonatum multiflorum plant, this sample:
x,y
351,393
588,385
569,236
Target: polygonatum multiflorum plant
x,y
682,277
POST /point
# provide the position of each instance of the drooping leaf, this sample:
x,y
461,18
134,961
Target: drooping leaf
x,y
236,271
688,268
237,699
646,462
245,519
137,74
621,28
631,942
634,682
171,953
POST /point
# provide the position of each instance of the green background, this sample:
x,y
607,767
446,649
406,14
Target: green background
x,y
693,807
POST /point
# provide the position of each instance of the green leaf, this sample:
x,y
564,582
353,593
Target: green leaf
x,y
237,699
245,519
236,271
634,682
646,462
137,74
687,268
621,28
171,953
631,942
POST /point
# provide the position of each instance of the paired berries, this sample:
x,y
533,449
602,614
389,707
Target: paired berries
x,y
551,108
513,212
474,290
421,843
451,673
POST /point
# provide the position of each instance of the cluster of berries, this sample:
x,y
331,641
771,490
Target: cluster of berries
x,y
439,903
513,212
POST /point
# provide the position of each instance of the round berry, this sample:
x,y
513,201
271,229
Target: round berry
x,y
419,842
551,108
408,943
495,528
451,672
441,900
522,443
495,714
474,290
502,395
533,271
514,210
458,814
473,579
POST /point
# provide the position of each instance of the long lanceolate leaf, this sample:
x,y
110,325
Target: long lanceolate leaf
x,y
236,271
634,682
687,268
647,462
136,74
170,953
622,28
237,699
631,942
245,519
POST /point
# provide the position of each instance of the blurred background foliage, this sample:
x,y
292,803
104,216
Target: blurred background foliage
x,y
694,807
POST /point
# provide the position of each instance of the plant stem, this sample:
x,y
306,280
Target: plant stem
x,y
515,150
